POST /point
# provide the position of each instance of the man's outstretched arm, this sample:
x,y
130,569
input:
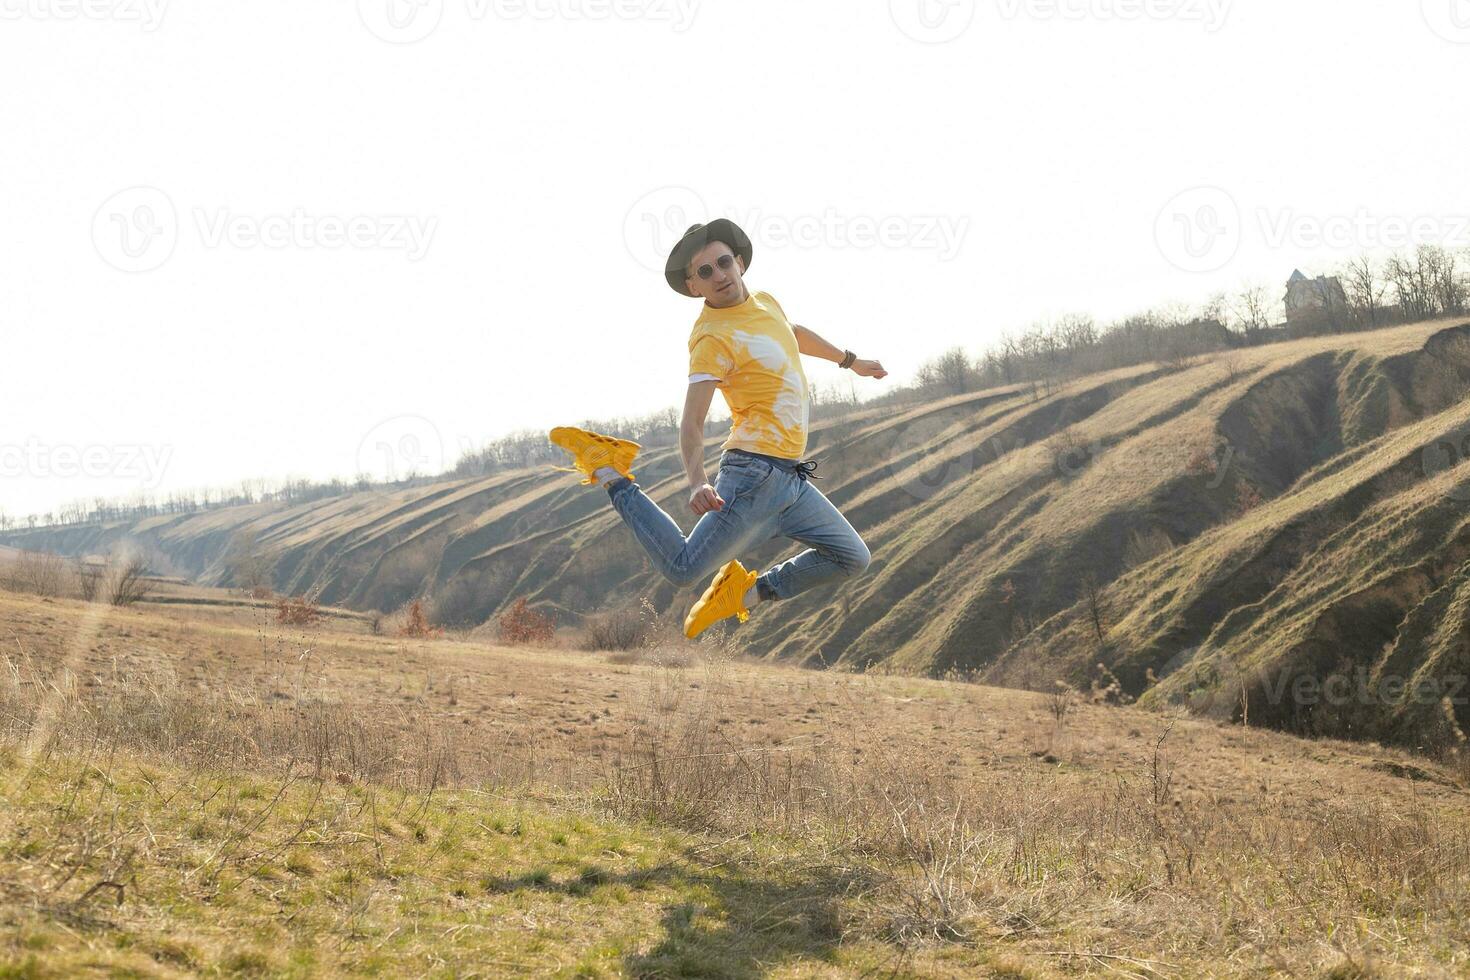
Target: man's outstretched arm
x,y
702,496
812,345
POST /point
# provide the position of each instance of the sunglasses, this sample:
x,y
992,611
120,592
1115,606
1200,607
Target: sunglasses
x,y
724,262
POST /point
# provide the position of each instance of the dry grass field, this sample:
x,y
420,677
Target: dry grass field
x,y
1210,530
190,787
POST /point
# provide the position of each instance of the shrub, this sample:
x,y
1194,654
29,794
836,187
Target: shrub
x,y
126,583
1202,462
522,624
1062,696
38,572
456,603
1145,545
1247,499
1108,689
89,579
416,623
300,611
617,629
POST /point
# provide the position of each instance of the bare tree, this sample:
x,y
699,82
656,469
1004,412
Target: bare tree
x,y
1365,290
950,371
1252,312
1332,307
127,582
1440,272
89,579
1077,332
39,572
1216,309
1092,591
1233,365
1411,286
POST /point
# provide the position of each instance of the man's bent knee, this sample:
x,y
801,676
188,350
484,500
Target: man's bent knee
x,y
856,560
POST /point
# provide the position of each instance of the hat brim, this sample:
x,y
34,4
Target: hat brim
x,y
696,238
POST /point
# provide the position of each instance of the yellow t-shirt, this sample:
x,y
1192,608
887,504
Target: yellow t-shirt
x,y
750,349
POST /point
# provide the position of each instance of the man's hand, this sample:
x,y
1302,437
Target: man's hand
x,y
705,499
868,369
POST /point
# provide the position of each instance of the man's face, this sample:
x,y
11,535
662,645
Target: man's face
x,y
726,284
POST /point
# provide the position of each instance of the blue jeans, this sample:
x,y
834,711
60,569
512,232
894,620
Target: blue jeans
x,y
762,501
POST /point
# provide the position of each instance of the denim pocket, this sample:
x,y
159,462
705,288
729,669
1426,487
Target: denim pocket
x,y
739,479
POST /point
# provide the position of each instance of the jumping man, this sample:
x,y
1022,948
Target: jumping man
x,y
743,345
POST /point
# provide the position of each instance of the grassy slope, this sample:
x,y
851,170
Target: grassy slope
x,y
1359,526
994,517
121,865
458,807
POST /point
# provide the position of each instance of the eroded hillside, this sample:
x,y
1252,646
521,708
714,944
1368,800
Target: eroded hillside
x,y
1210,533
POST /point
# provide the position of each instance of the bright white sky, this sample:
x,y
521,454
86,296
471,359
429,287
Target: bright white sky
x,y
519,168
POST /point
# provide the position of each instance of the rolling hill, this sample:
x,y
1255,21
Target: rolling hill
x,y
1277,534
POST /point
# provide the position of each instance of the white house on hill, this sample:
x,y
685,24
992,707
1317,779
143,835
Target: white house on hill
x,y
1314,299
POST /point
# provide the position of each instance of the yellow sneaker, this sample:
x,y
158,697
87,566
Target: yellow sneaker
x,y
724,598
591,451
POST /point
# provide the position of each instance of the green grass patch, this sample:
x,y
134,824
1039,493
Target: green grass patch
x,y
146,871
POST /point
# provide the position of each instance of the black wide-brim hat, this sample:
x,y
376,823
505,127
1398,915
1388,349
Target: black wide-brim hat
x,y
676,270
